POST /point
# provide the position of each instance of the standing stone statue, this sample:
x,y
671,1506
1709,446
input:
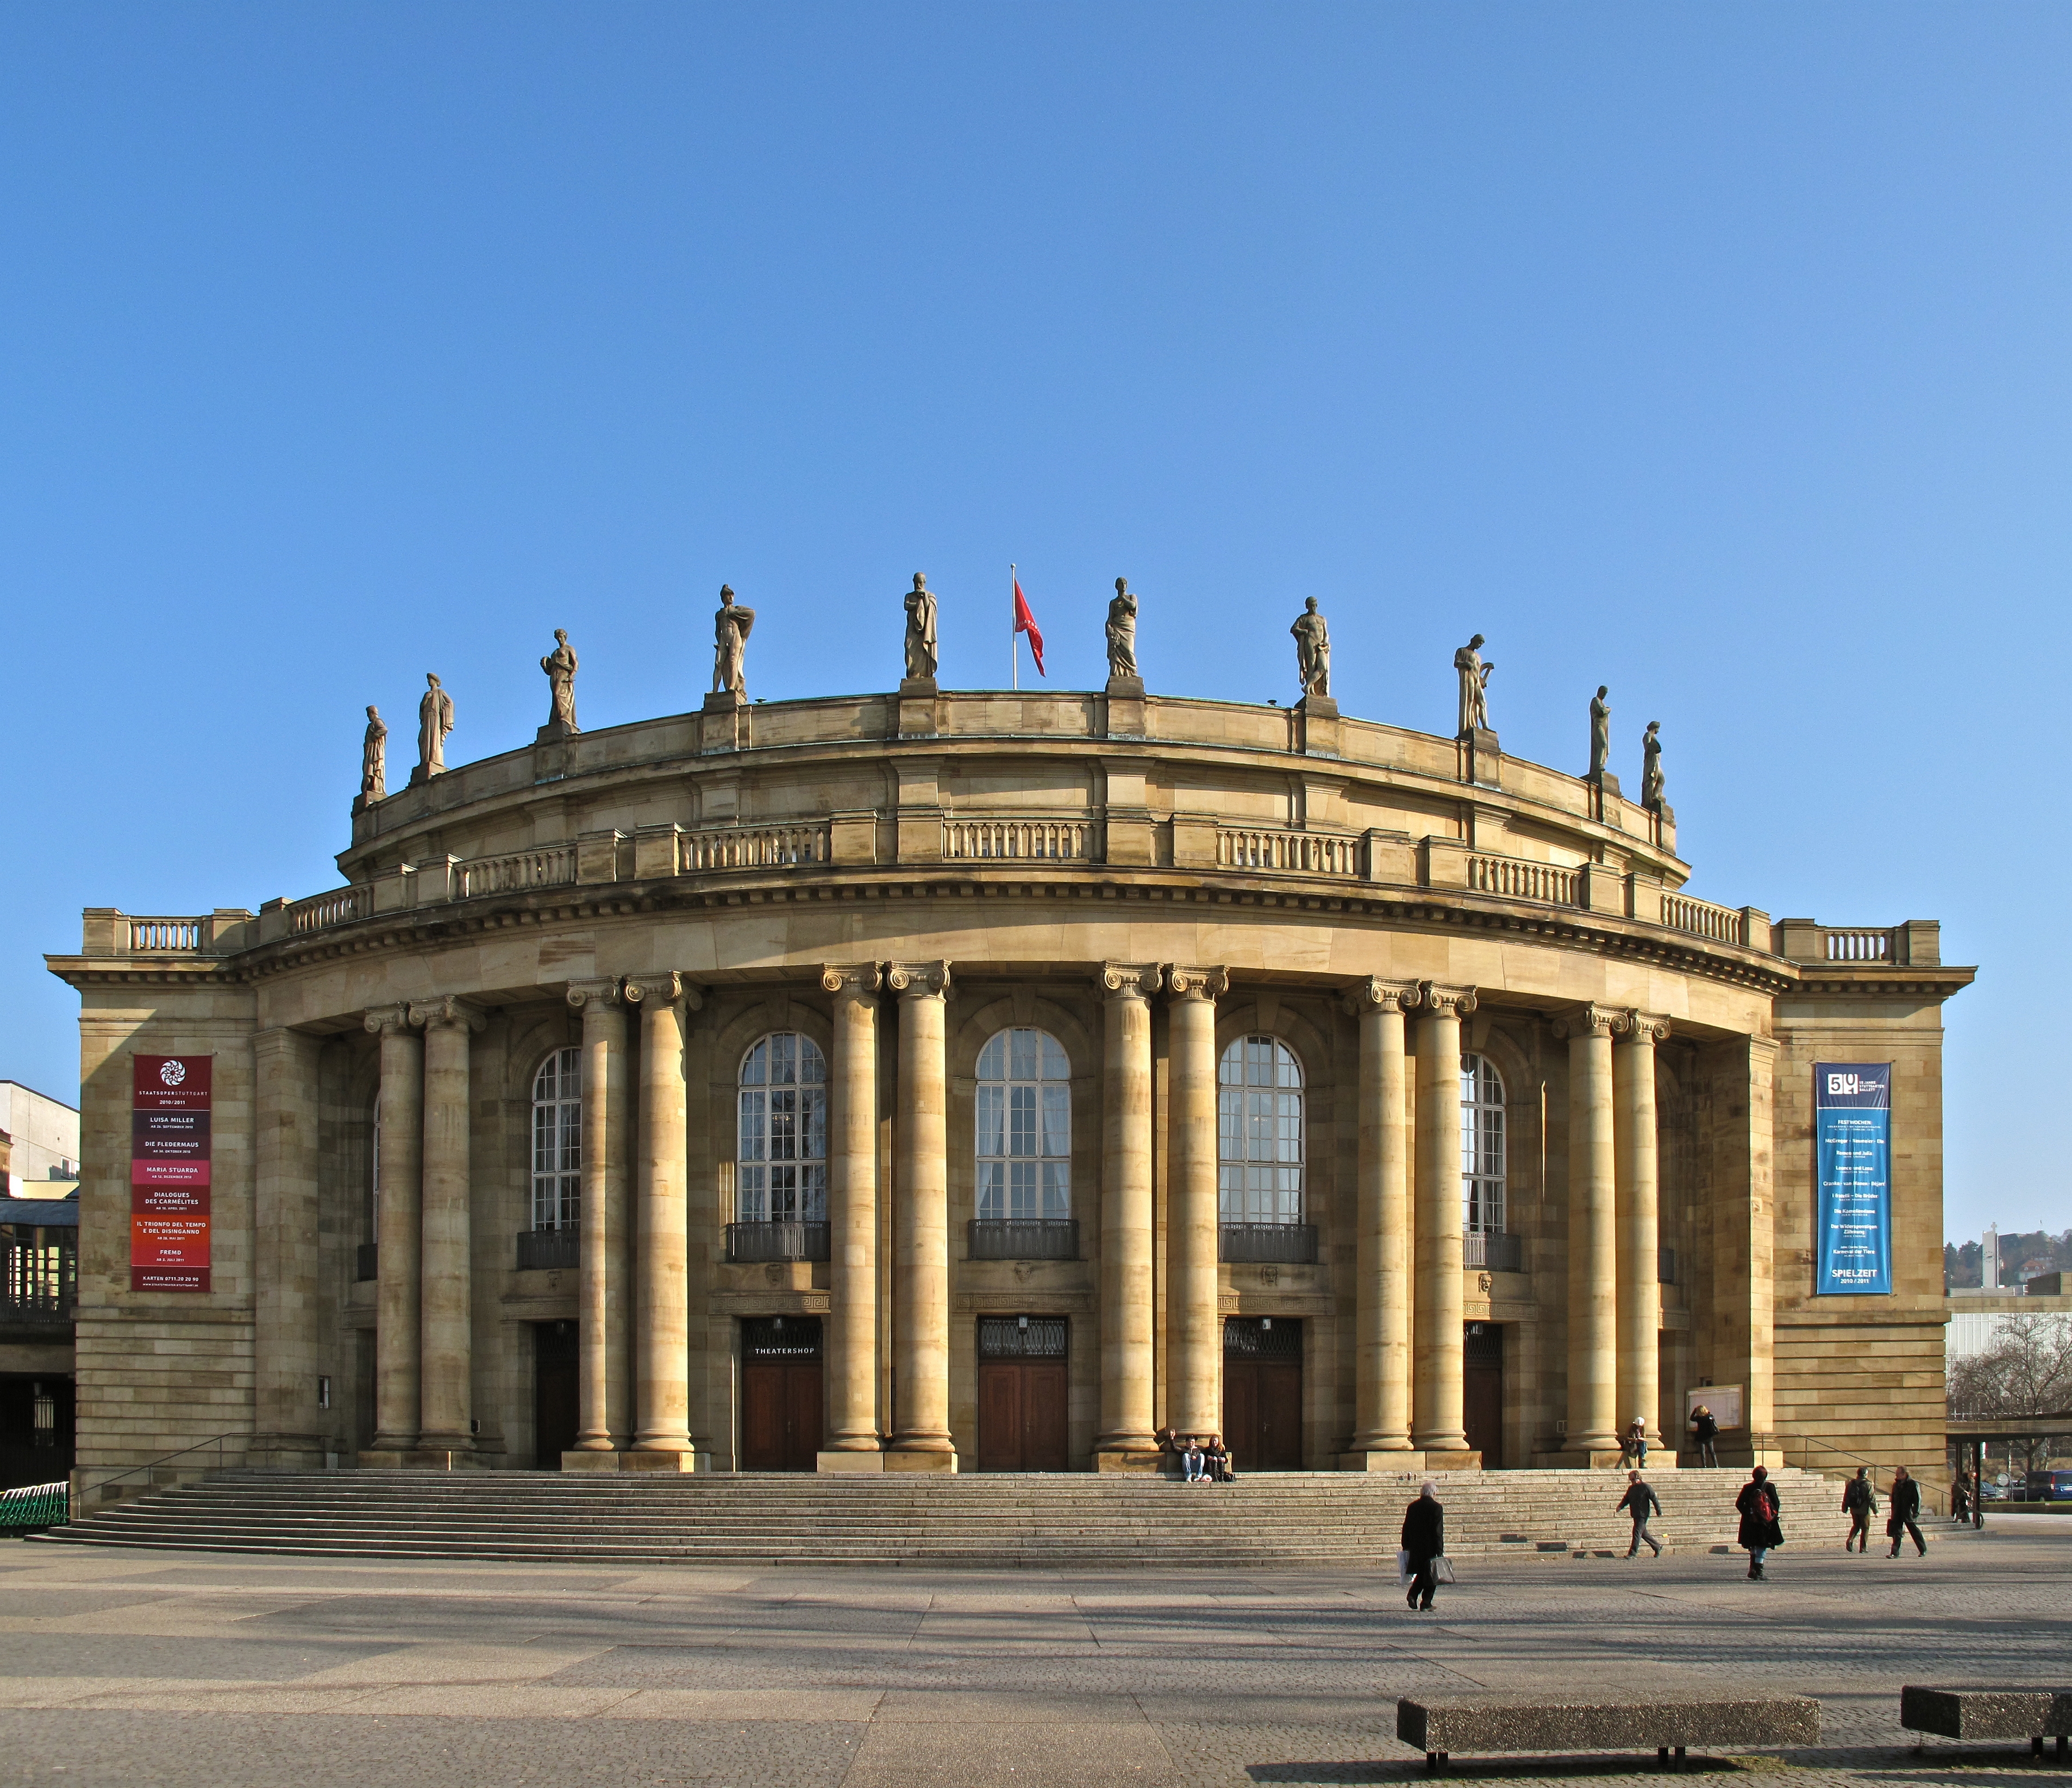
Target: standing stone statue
x,y
374,760
1475,676
1600,734
1122,632
1650,767
435,720
559,665
1313,651
730,631
920,631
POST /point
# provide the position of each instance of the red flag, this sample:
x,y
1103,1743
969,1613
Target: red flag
x,y
1026,623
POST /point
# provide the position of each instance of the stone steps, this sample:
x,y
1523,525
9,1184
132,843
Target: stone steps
x,y
1073,1520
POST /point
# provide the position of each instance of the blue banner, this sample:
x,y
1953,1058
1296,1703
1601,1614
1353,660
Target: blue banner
x,y
1852,1144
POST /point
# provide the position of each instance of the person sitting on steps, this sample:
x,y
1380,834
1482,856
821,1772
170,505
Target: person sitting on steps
x,y
1218,1458
1192,1458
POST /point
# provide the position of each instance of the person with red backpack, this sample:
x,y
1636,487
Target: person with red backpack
x,y
1759,1510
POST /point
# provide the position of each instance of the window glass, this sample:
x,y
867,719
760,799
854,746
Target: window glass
x,y
557,1141
1024,1128
781,1158
1259,1133
1481,1146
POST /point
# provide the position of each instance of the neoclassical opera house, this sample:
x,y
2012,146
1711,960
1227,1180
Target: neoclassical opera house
x,y
946,1080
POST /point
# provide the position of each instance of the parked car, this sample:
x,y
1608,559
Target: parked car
x,y
2050,1486
1991,1492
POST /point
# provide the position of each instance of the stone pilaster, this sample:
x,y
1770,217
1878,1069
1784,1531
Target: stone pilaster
x,y
1437,1426
290,1430
605,1421
1593,1420
854,1442
1639,1227
445,1300
397,1336
921,1224
1194,1339
1381,1292
1129,1388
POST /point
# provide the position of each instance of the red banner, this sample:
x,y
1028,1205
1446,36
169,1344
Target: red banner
x,y
169,1173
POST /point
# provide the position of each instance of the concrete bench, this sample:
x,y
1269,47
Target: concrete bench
x,y
1439,1724
2034,1714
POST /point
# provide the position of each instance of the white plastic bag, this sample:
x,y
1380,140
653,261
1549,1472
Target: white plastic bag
x,y
1403,1570
1442,1569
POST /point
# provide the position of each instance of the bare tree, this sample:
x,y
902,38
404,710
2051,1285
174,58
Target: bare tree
x,y
2027,1372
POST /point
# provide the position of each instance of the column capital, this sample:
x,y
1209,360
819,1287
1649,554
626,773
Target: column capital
x,y
1649,1028
1443,1002
1591,1021
1374,994
388,1020
667,988
919,981
852,980
1127,981
448,1010
1197,983
598,993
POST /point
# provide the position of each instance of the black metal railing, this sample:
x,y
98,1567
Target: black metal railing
x,y
1247,1244
367,1261
549,1248
1024,1238
38,1285
1493,1251
786,1241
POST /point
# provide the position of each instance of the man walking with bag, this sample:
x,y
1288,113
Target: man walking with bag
x,y
1424,1545
1859,1504
1759,1530
1639,1501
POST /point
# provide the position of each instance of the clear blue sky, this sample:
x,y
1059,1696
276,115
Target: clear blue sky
x,y
1718,354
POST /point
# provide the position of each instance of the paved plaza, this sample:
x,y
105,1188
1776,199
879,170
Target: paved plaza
x,y
147,1667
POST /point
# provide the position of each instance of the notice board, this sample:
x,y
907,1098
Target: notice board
x,y
169,1171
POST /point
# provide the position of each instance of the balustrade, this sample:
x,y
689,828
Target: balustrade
x,y
168,936
750,1243
1701,919
1039,840
548,866
339,906
1024,1238
1516,878
549,1249
1254,1243
1493,1251
1858,945
1287,852
750,848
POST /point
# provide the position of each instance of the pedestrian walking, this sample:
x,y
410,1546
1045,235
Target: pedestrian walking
x,y
1640,1501
1906,1516
1960,1496
1760,1533
1424,1543
1705,1430
1633,1444
1859,1504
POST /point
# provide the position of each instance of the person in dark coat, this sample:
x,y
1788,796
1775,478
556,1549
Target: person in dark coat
x,y
1424,1540
1859,1504
1906,1516
1759,1512
1639,1501
1705,1430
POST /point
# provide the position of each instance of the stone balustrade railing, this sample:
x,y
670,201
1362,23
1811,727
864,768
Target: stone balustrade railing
x,y
1702,919
1038,840
749,848
1287,852
1518,878
1916,944
549,866
340,907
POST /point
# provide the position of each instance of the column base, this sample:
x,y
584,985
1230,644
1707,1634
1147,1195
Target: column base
x,y
1581,1459
1128,1461
1404,1459
1453,1459
421,1458
909,1459
593,1459
654,1459
848,1461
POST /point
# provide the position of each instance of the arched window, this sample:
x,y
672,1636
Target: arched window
x,y
1259,1133
557,1141
1024,1128
1481,1146
781,1165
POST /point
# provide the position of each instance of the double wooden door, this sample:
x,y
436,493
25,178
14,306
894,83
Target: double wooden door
x,y
1263,1392
1023,1394
555,1401
781,1420
1482,1390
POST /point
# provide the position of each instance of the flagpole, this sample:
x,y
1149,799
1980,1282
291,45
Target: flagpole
x,y
1013,637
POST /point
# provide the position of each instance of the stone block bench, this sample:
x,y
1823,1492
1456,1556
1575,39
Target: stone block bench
x,y
1439,1724
2034,1714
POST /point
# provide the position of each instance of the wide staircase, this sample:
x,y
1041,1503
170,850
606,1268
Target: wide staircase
x,y
1287,1520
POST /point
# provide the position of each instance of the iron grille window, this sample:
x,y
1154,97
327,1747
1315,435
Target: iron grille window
x,y
778,1340
1481,1146
1259,1133
1025,1128
1022,1337
557,1141
1482,1344
1262,1338
781,1165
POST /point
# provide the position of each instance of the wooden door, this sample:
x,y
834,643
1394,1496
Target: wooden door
x,y
1482,1390
1263,1392
781,1390
1023,1394
555,1400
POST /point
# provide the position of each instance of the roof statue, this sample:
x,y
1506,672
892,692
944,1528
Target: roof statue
x,y
435,720
920,631
1313,651
559,665
731,630
1122,632
1474,676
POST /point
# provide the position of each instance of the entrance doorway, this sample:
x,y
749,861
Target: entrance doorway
x,y
780,1393
554,1393
1024,1391
35,1429
1482,1390
1263,1392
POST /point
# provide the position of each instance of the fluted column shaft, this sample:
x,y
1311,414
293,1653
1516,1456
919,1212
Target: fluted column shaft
x,y
1594,1420
1382,1299
446,1297
1194,1344
661,1343
1128,1379
852,1377
397,1219
921,1219
1639,1226
605,1421
1437,1419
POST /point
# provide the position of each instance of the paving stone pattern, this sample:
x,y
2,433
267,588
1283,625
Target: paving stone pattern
x,y
121,1666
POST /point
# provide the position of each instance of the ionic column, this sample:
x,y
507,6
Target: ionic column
x,y
1126,1327
396,1232
445,1299
661,1342
1382,1301
1593,1419
605,1417
1640,1195
1437,1422
852,1433
1194,1339
285,1351
921,1224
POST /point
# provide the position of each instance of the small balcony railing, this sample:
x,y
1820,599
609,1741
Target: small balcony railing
x,y
549,1249
1493,1251
367,1261
1257,1244
748,1242
1024,1238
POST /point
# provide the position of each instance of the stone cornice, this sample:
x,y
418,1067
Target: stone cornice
x,y
1129,980
919,981
1198,984
1376,995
